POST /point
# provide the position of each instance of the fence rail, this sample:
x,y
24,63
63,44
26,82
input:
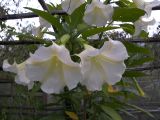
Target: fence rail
x,y
29,42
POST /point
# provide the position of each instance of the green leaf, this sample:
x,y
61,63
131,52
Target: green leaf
x,y
140,109
125,3
143,34
103,116
133,48
139,61
121,4
128,28
110,112
133,74
139,89
48,17
127,14
77,16
94,31
129,114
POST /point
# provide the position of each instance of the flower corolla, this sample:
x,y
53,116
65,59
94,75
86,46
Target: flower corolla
x,y
70,5
54,68
97,13
104,65
18,69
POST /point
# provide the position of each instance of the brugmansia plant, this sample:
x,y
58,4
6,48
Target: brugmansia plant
x,y
88,77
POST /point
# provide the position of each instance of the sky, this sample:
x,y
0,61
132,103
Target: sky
x,y
35,22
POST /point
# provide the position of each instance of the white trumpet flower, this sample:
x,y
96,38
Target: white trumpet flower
x,y
142,24
44,23
18,69
70,5
53,67
146,6
105,65
97,13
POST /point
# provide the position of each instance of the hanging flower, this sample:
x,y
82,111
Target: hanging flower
x,y
70,5
97,13
44,23
105,65
53,67
142,24
18,69
146,6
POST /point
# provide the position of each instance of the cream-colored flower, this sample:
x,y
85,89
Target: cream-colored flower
x,y
44,23
105,65
146,6
18,69
70,5
97,13
53,67
142,24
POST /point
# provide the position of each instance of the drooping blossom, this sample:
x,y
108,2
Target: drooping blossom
x,y
44,25
53,67
146,6
104,65
142,24
97,13
19,70
70,5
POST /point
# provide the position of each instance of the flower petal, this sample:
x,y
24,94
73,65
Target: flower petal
x,y
54,74
139,3
37,71
142,24
97,13
19,69
88,52
70,5
54,82
10,68
54,68
21,80
41,54
22,74
112,70
92,75
114,50
72,75
44,23
64,55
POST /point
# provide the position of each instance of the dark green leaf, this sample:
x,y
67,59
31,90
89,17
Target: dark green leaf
x,y
94,31
129,114
110,112
140,109
121,4
133,48
143,34
138,88
127,14
133,74
77,16
103,116
140,61
48,17
129,28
